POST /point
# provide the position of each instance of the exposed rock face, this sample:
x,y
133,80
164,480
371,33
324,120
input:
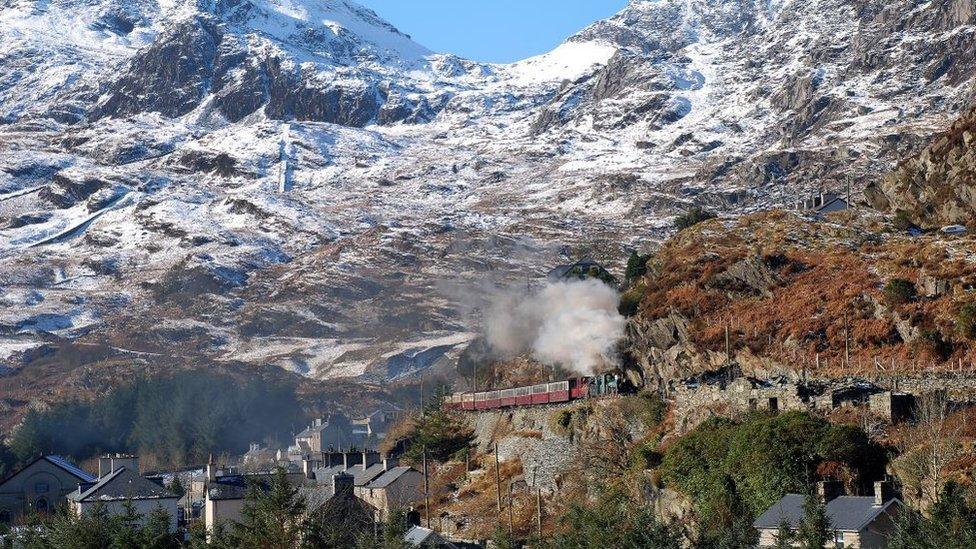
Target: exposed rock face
x,y
171,77
813,298
937,186
197,59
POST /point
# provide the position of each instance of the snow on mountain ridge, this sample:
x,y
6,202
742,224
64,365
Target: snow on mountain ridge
x,y
261,182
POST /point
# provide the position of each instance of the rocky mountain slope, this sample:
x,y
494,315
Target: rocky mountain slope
x,y
938,185
298,184
782,294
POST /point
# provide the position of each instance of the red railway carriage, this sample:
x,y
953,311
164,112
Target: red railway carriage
x,y
559,391
540,394
543,393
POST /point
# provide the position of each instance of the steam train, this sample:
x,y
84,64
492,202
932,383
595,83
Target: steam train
x,y
576,388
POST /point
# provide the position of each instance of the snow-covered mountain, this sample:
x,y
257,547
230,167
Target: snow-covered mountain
x,y
297,183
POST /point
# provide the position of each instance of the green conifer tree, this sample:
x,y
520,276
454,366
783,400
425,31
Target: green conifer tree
x,y
124,528
814,530
271,517
784,536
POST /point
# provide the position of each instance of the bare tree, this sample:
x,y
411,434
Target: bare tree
x,y
928,448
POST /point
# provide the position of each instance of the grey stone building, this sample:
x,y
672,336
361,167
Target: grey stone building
x,y
857,522
39,487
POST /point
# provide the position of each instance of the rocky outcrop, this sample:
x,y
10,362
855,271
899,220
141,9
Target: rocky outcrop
x,y
199,64
171,77
937,186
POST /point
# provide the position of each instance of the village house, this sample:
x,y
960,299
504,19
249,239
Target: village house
x,y
339,507
364,466
39,487
257,457
224,493
118,486
857,522
380,481
396,488
322,435
371,429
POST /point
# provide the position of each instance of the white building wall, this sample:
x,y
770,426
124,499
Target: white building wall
x,y
224,511
142,506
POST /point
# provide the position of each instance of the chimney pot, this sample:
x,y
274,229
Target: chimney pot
x,y
828,490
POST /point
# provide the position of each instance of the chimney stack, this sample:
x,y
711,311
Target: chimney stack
x,y
104,465
111,463
309,466
343,484
370,457
828,490
390,462
884,491
351,459
211,469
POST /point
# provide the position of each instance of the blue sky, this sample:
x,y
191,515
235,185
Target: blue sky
x,y
492,30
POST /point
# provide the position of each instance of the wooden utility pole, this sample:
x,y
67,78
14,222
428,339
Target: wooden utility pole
x,y
426,489
728,346
511,510
538,512
421,392
498,484
847,342
538,503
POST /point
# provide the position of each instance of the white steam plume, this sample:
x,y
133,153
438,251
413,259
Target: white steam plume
x,y
573,324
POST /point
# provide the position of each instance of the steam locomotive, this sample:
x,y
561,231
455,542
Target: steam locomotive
x,y
576,388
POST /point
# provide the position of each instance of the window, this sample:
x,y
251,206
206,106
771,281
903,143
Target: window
x,y
839,540
41,505
773,405
4,516
41,488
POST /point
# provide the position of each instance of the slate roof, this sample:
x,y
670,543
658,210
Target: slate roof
x,y
323,475
389,477
59,462
418,536
312,429
70,468
236,486
364,476
846,513
120,484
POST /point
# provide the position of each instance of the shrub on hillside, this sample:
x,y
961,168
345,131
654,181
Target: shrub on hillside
x,y
693,217
636,266
630,300
966,320
613,520
899,291
442,432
